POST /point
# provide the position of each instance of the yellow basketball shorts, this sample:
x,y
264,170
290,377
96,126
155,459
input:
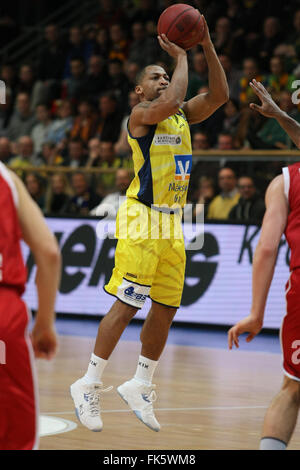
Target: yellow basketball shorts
x,y
149,258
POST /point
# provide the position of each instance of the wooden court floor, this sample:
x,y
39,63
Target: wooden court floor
x,y
207,398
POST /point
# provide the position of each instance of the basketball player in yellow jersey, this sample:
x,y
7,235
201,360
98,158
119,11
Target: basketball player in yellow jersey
x,y
145,266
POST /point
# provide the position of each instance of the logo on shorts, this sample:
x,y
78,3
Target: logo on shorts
x,y
2,352
183,167
129,292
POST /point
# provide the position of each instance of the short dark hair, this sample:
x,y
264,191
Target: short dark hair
x,y
140,75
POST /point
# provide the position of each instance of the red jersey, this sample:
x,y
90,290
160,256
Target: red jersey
x,y
12,269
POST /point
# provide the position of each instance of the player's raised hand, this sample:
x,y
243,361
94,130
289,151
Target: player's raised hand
x,y
206,36
268,107
246,325
44,341
170,47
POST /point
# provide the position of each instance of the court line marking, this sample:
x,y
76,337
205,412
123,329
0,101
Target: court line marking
x,y
204,408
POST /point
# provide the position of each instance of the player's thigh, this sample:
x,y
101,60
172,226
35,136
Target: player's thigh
x,y
168,282
135,267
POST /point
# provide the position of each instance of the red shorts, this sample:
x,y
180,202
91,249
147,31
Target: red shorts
x,y
290,329
18,393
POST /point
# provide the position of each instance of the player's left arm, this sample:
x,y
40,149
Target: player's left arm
x,y
205,104
265,256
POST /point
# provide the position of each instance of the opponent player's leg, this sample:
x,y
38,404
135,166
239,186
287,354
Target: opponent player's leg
x,y
281,417
18,391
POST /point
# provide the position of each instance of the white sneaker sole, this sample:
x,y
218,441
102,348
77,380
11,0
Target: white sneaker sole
x,y
77,416
136,412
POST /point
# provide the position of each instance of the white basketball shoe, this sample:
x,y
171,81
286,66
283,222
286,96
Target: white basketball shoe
x,y
86,398
140,398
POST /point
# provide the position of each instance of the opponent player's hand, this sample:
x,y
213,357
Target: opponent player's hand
x,y
268,108
44,341
170,47
247,325
206,40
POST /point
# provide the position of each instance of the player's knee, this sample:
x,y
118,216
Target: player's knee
x,y
125,312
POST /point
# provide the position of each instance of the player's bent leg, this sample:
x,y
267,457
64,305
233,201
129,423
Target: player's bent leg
x,y
139,392
88,390
281,416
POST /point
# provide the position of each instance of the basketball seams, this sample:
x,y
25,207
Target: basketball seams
x,y
191,29
178,16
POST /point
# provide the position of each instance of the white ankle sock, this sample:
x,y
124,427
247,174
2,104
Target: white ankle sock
x,y
95,370
145,370
271,443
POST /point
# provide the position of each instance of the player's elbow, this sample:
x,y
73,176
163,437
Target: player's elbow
x,y
51,253
268,249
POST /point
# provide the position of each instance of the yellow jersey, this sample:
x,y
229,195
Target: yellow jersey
x,y
162,163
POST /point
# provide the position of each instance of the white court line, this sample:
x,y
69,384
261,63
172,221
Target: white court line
x,y
204,408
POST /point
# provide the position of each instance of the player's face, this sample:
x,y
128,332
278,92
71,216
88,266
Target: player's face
x,y
154,83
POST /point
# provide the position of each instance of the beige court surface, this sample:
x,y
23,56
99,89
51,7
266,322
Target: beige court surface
x,y
207,398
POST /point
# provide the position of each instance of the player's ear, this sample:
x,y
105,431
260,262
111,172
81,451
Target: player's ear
x,y
139,90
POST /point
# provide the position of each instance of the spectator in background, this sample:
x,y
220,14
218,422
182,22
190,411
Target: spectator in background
x,y
109,14
76,153
279,80
50,155
225,141
108,160
8,75
200,141
84,198
85,123
62,125
203,196
25,156
122,147
131,70
35,187
119,44
58,194
94,154
222,204
233,75
73,87
222,36
28,84
146,11
102,46
39,133
5,150
53,56
231,120
23,120
199,76
270,38
250,71
143,49
109,123
251,206
123,179
77,47
97,79
117,80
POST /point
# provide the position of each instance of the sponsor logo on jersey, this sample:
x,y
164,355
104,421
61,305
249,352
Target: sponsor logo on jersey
x,y
167,139
183,167
178,187
129,292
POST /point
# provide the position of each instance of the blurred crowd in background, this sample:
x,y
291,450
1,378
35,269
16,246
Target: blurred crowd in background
x,y
70,108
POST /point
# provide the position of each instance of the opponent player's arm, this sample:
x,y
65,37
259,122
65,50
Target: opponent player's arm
x,y
170,100
205,104
270,109
46,253
264,261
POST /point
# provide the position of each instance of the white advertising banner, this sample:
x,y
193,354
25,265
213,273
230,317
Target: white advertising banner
x,y
217,286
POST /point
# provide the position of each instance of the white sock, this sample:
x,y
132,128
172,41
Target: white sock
x,y
145,370
271,443
95,370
